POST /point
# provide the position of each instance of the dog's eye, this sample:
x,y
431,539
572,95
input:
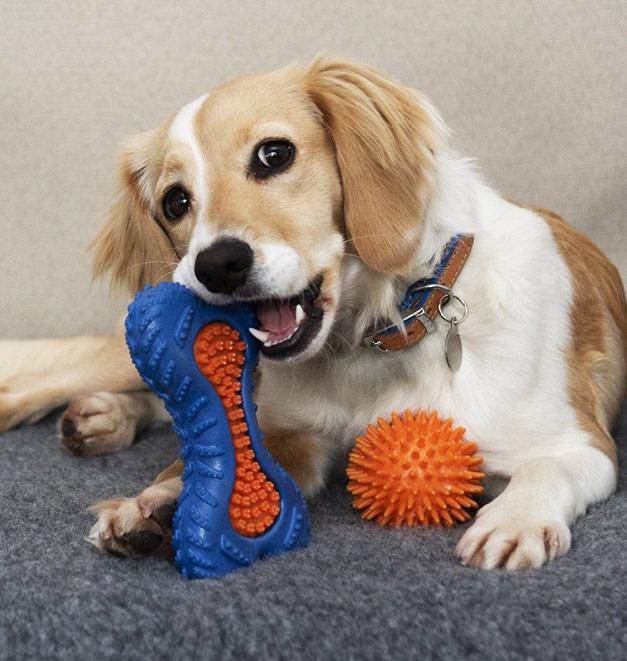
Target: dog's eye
x,y
176,203
272,157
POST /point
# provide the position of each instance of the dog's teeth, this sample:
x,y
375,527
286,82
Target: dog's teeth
x,y
262,336
271,343
300,314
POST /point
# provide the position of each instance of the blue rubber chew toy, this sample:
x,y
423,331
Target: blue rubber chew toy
x,y
237,504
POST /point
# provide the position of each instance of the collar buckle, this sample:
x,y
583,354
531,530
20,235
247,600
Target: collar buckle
x,y
371,343
420,314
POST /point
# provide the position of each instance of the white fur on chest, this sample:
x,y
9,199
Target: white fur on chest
x,y
511,392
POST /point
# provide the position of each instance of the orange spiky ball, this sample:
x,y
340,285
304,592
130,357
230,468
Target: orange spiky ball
x,y
415,470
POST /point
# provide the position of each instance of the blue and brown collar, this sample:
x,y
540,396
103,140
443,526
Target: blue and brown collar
x,y
419,308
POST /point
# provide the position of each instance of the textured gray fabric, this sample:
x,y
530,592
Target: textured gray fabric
x,y
357,592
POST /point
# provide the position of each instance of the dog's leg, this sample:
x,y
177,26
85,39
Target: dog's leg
x,y
529,523
307,458
143,525
37,376
106,422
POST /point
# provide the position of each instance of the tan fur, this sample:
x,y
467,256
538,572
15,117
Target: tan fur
x,y
597,356
302,455
386,140
300,208
175,469
44,374
132,247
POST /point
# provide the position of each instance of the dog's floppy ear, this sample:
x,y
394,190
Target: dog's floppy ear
x,y
132,246
386,138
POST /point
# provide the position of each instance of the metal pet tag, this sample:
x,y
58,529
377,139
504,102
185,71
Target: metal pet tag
x,y
453,347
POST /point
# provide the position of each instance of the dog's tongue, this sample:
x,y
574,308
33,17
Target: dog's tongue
x,y
277,318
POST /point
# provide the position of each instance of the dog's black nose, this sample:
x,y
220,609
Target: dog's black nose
x,y
224,266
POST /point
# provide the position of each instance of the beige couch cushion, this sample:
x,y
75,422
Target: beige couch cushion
x,y
535,90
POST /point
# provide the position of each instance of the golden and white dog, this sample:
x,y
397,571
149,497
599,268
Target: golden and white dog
x,y
322,192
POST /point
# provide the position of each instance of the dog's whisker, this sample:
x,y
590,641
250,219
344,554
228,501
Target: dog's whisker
x,y
339,336
378,235
139,265
165,276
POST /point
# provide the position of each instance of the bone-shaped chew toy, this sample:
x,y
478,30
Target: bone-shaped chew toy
x,y
237,504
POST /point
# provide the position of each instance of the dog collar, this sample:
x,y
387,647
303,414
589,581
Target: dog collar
x,y
424,299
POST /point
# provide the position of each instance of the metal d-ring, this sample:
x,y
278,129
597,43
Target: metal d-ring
x,y
445,300
433,285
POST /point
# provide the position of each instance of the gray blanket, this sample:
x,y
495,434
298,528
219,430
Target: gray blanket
x,y
357,592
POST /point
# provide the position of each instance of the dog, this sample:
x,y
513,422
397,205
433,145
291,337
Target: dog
x,y
328,195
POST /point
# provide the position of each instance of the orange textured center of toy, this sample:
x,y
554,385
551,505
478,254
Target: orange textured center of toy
x,y
219,353
416,470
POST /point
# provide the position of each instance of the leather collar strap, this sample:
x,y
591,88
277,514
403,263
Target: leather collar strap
x,y
420,305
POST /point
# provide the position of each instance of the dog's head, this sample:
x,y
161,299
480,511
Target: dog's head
x,y
258,190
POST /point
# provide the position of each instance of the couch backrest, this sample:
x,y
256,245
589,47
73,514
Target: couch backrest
x,y
536,91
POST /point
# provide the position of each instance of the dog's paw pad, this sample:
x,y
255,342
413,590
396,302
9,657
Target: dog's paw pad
x,y
164,515
142,542
71,438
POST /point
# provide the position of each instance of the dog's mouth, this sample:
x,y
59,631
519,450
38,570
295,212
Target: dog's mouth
x,y
288,326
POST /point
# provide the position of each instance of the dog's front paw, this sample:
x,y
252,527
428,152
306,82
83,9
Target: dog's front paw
x,y
135,527
100,423
501,537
